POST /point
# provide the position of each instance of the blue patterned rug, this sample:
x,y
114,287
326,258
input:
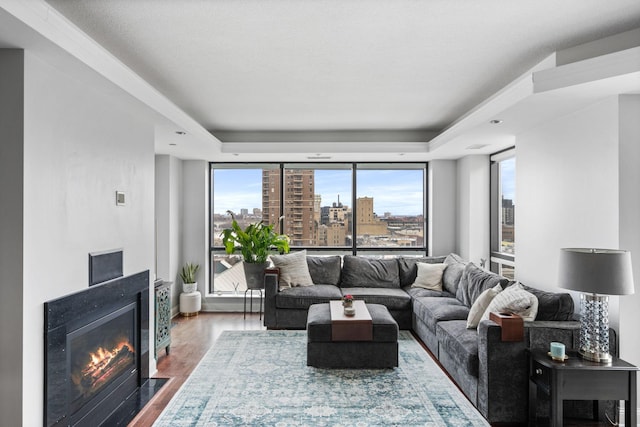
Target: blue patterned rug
x,y
261,378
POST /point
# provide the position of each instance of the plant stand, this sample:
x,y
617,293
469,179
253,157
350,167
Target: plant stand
x,y
251,301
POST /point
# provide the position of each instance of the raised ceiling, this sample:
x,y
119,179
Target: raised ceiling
x,y
276,70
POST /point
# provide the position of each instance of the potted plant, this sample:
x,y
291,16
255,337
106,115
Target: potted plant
x,y
256,242
188,276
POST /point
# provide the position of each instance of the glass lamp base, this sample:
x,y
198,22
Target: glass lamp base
x,y
594,328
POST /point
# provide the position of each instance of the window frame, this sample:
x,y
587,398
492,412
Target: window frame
x,y
498,259
352,249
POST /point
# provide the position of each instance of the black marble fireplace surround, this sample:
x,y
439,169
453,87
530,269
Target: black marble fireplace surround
x,y
96,351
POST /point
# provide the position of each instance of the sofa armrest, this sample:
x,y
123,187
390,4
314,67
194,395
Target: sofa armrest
x,y
271,289
503,366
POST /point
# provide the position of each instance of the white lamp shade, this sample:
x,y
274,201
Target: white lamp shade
x,y
596,271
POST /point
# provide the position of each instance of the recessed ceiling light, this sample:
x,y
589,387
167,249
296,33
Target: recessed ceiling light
x,y
495,121
476,146
180,132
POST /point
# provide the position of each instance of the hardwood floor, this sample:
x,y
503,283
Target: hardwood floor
x,y
192,337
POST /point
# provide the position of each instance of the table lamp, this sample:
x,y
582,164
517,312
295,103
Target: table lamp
x,y
596,273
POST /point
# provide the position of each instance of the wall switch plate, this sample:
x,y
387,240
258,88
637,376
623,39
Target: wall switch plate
x,y
119,198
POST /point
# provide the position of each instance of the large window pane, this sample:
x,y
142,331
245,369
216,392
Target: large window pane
x,y
252,195
503,213
390,208
315,214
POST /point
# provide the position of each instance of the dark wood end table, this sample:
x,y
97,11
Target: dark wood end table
x,y
580,379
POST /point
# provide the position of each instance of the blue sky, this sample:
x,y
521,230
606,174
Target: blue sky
x,y
396,191
508,175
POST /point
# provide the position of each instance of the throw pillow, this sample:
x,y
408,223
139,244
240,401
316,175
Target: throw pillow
x,y
294,270
474,281
480,306
453,273
429,276
515,300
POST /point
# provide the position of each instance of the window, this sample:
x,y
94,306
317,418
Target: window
x,y
503,213
316,203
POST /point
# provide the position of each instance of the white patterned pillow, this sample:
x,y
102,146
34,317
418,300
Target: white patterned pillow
x,y
480,305
429,276
515,300
294,270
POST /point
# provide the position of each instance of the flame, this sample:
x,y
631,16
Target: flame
x,y
102,356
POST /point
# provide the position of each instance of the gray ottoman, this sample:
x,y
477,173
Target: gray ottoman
x,y
322,352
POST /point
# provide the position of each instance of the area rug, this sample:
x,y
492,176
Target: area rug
x,y
261,378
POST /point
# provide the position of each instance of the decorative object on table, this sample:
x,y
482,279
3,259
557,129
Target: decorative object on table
x,y
256,242
557,351
597,273
188,276
347,303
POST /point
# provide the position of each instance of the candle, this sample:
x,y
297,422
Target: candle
x,y
557,351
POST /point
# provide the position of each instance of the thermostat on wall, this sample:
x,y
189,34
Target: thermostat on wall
x,y
119,198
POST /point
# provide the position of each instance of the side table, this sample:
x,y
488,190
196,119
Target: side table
x,y
580,379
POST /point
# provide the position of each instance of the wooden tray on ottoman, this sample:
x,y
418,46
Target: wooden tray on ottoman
x,y
351,328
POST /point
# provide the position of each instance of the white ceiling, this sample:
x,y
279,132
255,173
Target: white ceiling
x,y
273,71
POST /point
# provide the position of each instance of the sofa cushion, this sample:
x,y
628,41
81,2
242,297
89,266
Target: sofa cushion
x,y
293,269
429,276
552,305
359,271
302,297
421,292
460,344
393,299
432,310
407,267
453,273
325,270
474,281
515,300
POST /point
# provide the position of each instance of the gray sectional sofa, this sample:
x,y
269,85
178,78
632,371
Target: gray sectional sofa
x,y
491,373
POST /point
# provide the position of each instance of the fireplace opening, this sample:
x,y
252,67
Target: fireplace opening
x,y
102,356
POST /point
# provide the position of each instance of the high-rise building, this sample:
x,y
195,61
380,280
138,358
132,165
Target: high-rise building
x,y
368,223
299,202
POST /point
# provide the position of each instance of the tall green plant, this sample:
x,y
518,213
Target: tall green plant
x,y
255,242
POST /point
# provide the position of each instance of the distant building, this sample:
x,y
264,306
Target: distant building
x,y
368,224
508,212
299,202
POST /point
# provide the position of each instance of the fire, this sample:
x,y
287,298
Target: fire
x,y
102,356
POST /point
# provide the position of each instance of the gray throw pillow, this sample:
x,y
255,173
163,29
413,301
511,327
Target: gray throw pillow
x,y
474,281
325,270
361,272
453,273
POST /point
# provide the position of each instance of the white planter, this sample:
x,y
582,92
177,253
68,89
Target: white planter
x,y
189,287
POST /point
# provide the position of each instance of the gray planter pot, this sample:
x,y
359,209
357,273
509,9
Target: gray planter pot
x,y
254,273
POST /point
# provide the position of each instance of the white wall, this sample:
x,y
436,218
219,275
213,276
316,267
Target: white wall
x,y
577,184
473,208
11,233
567,186
442,191
168,190
195,222
80,146
629,174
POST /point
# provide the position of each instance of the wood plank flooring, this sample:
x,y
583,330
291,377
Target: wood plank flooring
x,y
191,338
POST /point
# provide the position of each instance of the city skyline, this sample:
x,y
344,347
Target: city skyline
x,y
393,191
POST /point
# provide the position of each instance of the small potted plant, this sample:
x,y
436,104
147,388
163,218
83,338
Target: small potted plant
x,y
188,276
256,242
347,303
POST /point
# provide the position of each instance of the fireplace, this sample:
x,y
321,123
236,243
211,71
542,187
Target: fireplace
x,y
96,351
